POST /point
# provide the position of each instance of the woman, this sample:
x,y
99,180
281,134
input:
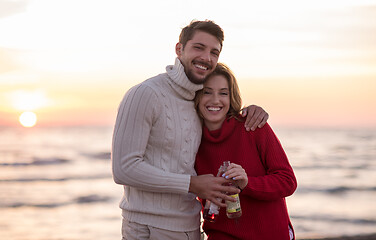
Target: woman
x,y
260,167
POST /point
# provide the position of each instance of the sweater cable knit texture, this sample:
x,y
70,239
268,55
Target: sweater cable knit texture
x,y
156,137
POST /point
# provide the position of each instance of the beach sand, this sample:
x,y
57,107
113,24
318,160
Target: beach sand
x,y
360,237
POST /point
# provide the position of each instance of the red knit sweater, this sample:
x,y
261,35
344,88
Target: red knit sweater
x,y
270,180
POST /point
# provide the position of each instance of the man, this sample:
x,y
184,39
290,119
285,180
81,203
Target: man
x,y
156,137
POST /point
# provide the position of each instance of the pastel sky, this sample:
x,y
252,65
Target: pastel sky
x,y
308,63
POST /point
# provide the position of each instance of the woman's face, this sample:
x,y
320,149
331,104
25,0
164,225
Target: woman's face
x,y
215,101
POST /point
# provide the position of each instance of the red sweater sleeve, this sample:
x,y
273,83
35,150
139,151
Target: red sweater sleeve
x,y
279,181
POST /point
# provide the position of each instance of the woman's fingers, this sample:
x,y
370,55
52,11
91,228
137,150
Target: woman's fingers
x,y
235,171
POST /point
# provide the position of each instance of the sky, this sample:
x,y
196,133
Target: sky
x,y
307,63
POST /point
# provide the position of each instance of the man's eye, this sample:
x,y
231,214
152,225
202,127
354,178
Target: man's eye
x,y
215,54
206,92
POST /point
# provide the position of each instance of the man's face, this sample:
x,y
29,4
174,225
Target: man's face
x,y
199,56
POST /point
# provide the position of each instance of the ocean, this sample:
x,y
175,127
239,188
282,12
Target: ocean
x,y
56,183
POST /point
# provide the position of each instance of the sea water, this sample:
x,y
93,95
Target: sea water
x,y
56,183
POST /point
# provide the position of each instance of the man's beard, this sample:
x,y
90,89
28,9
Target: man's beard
x,y
194,79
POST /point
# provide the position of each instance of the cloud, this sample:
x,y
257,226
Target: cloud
x,y
7,61
9,8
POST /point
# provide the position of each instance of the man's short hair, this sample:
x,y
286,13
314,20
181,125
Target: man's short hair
x,y
207,26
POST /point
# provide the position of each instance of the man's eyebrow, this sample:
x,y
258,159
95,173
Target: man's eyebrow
x,y
203,45
198,43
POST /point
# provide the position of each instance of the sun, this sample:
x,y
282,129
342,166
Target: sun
x,y
28,119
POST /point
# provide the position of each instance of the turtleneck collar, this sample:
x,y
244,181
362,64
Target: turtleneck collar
x,y
180,82
221,134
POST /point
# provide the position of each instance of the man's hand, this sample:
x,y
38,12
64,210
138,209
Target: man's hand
x,y
212,188
256,117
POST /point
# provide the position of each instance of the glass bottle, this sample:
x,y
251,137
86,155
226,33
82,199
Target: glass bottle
x,y
211,210
233,209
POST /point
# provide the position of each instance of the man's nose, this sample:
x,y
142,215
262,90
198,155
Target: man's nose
x,y
206,56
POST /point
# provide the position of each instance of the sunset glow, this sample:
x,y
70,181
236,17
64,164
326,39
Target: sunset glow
x,y
28,100
306,63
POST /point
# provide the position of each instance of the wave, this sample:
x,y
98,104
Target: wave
x,y
87,199
331,218
37,162
99,155
326,165
335,190
61,179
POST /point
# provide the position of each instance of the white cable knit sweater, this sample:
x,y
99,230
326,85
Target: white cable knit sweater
x,y
156,138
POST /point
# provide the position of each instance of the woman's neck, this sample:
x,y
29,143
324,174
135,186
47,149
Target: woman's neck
x,y
213,125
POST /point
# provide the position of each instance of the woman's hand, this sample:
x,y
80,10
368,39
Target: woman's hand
x,y
237,173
